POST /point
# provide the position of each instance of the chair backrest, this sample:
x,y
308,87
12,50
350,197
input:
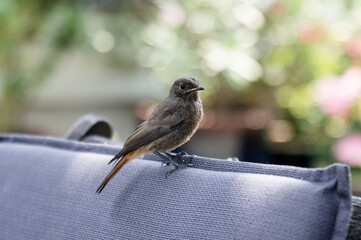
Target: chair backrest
x,y
47,191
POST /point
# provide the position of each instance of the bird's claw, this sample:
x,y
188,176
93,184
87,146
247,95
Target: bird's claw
x,y
189,165
177,155
170,172
185,163
165,163
182,153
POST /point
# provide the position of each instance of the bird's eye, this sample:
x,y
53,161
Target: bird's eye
x,y
182,86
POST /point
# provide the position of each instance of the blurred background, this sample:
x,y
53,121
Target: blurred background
x,y
282,77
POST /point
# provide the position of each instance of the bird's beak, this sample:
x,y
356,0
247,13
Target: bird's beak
x,y
195,89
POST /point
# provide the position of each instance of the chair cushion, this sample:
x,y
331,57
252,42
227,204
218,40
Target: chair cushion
x,y
47,191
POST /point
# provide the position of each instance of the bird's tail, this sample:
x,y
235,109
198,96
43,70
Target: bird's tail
x,y
116,157
115,170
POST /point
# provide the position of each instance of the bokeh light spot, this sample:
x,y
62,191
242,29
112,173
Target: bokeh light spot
x,y
280,131
249,16
337,127
103,41
201,23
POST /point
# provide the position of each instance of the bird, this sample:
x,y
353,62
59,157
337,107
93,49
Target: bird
x,y
171,124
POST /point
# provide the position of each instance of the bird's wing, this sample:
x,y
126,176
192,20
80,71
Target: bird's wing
x,y
161,122
165,119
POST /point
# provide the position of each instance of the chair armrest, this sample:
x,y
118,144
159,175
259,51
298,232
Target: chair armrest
x,y
354,230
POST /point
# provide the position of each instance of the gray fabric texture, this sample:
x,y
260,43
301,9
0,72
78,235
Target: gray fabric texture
x,y
47,191
90,125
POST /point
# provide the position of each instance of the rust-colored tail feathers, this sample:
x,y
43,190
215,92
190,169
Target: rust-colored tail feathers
x,y
115,170
116,157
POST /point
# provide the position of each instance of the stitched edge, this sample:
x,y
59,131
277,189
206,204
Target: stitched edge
x,y
314,175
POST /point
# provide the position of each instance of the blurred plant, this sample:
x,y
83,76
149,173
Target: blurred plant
x,y
213,40
348,149
337,95
33,35
314,68
299,58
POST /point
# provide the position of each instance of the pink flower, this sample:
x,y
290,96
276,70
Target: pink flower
x,y
353,49
348,149
172,14
278,9
337,95
310,32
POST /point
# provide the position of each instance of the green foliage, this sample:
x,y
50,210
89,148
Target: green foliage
x,y
248,54
271,54
33,35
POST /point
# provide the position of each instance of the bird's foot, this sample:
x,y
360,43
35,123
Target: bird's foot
x,y
166,160
176,155
181,163
165,163
176,159
176,167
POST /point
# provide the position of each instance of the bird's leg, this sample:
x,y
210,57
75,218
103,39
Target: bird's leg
x,y
172,155
184,162
165,159
169,159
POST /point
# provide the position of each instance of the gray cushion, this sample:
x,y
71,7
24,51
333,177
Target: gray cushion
x,y
47,191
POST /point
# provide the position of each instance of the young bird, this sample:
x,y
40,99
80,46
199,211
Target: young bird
x,y
172,123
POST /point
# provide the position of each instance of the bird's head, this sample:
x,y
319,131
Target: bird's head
x,y
186,88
